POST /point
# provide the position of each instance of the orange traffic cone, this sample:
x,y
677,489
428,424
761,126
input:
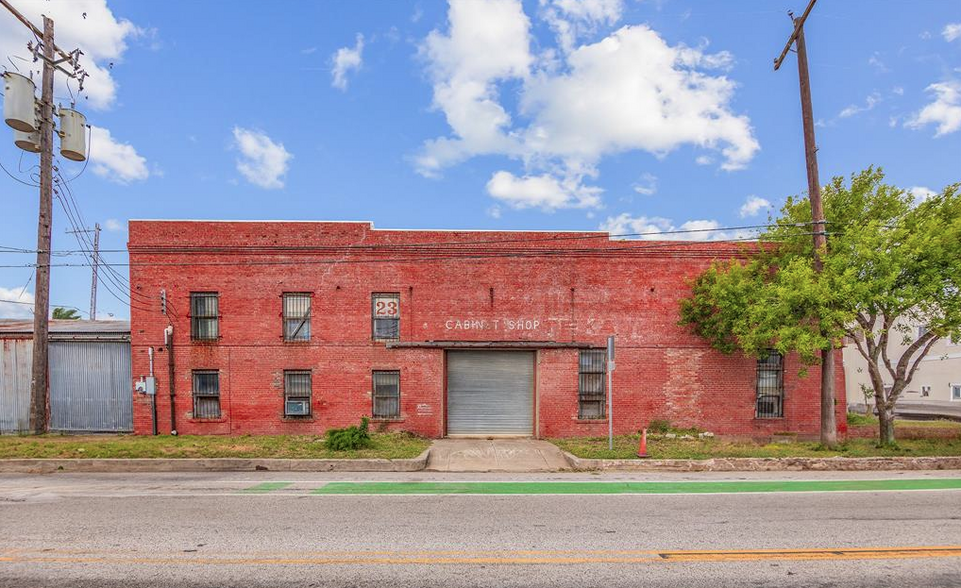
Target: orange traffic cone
x,y
642,448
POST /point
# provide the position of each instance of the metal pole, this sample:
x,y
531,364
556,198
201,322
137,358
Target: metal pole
x,y
41,309
610,410
610,392
96,262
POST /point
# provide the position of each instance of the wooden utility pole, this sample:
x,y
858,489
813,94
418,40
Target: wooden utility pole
x,y
829,435
47,53
41,308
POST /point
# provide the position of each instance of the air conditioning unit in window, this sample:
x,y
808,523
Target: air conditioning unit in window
x,y
298,408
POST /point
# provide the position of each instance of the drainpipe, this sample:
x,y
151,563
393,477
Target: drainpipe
x,y
153,396
169,342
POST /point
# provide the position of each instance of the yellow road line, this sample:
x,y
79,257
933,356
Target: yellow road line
x,y
506,557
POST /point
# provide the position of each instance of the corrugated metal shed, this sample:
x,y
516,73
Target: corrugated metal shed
x,y
16,357
90,381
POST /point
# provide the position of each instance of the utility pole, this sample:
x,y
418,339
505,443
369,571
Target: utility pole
x,y
41,309
829,436
95,262
47,53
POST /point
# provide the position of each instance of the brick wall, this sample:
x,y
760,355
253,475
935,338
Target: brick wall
x,y
572,288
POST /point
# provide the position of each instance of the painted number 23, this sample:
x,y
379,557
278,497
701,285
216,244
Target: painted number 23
x,y
386,308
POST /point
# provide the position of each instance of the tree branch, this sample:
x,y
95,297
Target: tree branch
x,y
925,342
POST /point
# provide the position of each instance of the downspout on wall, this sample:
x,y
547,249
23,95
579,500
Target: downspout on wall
x,y
169,342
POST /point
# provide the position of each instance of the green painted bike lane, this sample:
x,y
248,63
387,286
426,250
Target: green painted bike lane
x,y
599,487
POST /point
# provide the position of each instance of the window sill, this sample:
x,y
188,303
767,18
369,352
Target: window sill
x,y
214,420
764,419
205,341
591,421
387,419
298,419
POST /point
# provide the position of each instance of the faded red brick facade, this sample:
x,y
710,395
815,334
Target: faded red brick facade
x,y
555,293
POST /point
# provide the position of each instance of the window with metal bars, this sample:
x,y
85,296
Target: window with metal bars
x,y
204,316
297,390
386,395
206,394
591,389
385,313
296,316
770,386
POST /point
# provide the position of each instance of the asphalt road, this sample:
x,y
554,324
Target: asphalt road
x,y
275,530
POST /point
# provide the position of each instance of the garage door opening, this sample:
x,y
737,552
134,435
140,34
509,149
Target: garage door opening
x,y
490,393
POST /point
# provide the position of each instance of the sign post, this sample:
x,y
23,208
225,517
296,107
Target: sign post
x,y
610,393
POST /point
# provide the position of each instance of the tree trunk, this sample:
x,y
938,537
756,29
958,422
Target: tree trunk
x,y
829,428
886,423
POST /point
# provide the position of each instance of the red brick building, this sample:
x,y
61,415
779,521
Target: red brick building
x,y
295,327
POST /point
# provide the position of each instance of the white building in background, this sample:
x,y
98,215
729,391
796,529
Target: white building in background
x,y
937,382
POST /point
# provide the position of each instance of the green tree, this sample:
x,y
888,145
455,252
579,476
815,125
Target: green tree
x,y
62,313
891,262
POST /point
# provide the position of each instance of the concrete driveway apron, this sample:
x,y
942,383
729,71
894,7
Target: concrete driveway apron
x,y
495,455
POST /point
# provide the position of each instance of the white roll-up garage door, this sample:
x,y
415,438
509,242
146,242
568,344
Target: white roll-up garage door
x,y
490,392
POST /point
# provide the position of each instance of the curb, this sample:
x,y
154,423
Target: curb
x,y
767,464
225,464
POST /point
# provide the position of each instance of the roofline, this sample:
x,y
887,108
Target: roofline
x,y
371,223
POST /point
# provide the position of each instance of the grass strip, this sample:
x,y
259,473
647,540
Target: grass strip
x,y
720,487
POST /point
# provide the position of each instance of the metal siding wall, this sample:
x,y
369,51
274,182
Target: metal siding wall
x,y
490,393
16,365
90,386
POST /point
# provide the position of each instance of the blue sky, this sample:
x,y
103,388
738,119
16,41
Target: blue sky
x,y
628,115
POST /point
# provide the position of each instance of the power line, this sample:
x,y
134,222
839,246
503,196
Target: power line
x,y
54,304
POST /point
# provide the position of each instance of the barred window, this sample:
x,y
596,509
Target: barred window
x,y
591,390
386,395
206,394
297,390
204,317
385,310
296,316
770,386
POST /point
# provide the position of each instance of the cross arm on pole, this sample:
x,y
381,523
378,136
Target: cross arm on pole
x,y
798,23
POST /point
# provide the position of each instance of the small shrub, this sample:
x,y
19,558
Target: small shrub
x,y
659,426
860,420
349,438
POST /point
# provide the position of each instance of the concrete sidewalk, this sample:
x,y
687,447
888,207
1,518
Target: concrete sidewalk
x,y
495,455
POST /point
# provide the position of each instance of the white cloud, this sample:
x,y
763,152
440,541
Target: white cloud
x,y
21,305
629,91
704,160
100,35
662,229
345,60
898,90
921,193
753,206
116,161
263,162
869,103
488,41
951,31
945,111
545,192
571,19
112,224
875,61
648,187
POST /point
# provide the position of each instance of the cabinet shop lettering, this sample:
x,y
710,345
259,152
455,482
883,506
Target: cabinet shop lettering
x,y
519,324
